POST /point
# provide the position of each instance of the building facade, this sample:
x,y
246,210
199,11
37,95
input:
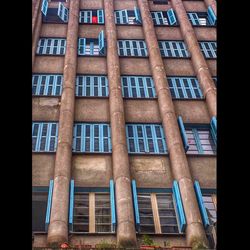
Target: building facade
x,y
124,122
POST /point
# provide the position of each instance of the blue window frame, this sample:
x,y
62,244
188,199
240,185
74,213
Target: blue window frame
x,y
211,15
51,46
185,88
52,16
44,136
208,49
200,139
145,139
121,17
44,7
128,17
91,138
159,18
136,48
47,85
92,85
138,87
171,17
173,49
199,19
91,16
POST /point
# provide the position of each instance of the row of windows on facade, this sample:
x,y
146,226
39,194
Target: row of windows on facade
x,y
128,48
132,86
157,210
127,17
141,138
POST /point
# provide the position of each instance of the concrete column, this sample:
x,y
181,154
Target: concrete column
x,y
179,165
126,235
199,63
36,28
211,3
58,227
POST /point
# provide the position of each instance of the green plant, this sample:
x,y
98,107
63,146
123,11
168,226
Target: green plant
x,y
146,240
104,244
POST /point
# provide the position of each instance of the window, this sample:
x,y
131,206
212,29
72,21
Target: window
x,y
39,207
92,86
128,16
92,210
132,48
159,18
138,87
173,49
63,12
199,19
92,46
184,88
167,213
47,85
154,207
208,49
51,46
44,136
145,139
91,138
52,16
91,16
200,140
160,1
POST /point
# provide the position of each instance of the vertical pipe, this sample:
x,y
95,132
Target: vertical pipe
x,y
211,3
199,63
58,227
126,235
178,160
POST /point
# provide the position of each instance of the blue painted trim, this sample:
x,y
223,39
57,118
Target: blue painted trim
x,y
203,210
49,204
100,16
211,16
137,15
213,125
136,208
183,133
112,205
179,206
44,7
71,205
171,17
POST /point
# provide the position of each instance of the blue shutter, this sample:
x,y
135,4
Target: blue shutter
x,y
211,16
203,210
136,208
194,19
100,16
71,205
47,219
179,206
101,43
171,17
183,133
63,12
44,8
137,15
81,46
213,125
112,205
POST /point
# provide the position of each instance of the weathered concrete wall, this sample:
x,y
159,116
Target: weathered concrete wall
x,y
151,171
203,169
92,110
179,67
54,30
90,31
93,4
92,170
195,6
205,33
192,111
92,65
49,64
144,111
45,108
42,169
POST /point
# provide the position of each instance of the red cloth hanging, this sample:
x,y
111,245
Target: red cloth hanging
x,y
94,19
